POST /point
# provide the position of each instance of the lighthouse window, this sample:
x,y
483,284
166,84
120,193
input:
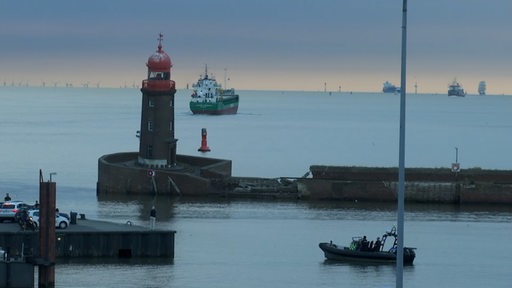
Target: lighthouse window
x,y
170,103
150,125
170,126
155,75
149,152
151,102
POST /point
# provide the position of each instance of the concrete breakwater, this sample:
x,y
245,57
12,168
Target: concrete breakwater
x,y
120,174
428,185
201,176
340,183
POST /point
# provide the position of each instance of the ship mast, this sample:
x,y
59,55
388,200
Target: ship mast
x,y
225,78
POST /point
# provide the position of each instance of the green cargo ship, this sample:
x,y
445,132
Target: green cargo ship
x,y
210,98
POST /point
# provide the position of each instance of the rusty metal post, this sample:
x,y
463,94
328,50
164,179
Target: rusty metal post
x,y
47,245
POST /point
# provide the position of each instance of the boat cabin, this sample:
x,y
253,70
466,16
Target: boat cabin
x,y
361,243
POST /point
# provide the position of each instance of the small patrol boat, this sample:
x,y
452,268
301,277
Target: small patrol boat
x,y
362,250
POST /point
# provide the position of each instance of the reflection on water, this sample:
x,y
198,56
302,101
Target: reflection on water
x,y
151,272
135,208
138,207
365,268
154,261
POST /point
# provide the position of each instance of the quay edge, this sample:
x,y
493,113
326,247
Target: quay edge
x,y
91,238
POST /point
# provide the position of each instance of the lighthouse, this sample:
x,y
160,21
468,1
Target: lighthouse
x,y
156,168
157,148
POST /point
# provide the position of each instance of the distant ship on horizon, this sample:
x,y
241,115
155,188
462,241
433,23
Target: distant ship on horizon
x,y
482,86
390,88
455,89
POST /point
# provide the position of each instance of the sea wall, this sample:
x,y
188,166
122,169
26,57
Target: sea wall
x,y
378,191
200,176
425,185
359,173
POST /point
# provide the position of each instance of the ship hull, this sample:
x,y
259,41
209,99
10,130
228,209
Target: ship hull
x,y
391,90
341,253
225,106
456,93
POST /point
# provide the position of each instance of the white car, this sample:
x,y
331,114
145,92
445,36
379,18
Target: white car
x,y
9,209
61,222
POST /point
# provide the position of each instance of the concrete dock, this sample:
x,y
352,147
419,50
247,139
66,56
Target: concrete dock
x,y
91,238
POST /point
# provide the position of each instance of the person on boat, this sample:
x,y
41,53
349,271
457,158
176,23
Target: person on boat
x,y
364,244
377,244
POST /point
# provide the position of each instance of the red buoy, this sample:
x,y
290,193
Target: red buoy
x,y
204,145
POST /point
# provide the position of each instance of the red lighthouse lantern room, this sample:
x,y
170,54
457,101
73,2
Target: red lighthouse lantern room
x,y
159,70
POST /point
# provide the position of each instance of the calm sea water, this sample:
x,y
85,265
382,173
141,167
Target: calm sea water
x,y
222,243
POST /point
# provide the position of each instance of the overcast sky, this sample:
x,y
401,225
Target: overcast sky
x,y
264,44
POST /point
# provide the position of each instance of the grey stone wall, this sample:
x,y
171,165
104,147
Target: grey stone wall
x,y
119,174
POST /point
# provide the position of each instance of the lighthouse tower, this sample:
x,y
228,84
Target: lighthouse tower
x,y
157,143
156,167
